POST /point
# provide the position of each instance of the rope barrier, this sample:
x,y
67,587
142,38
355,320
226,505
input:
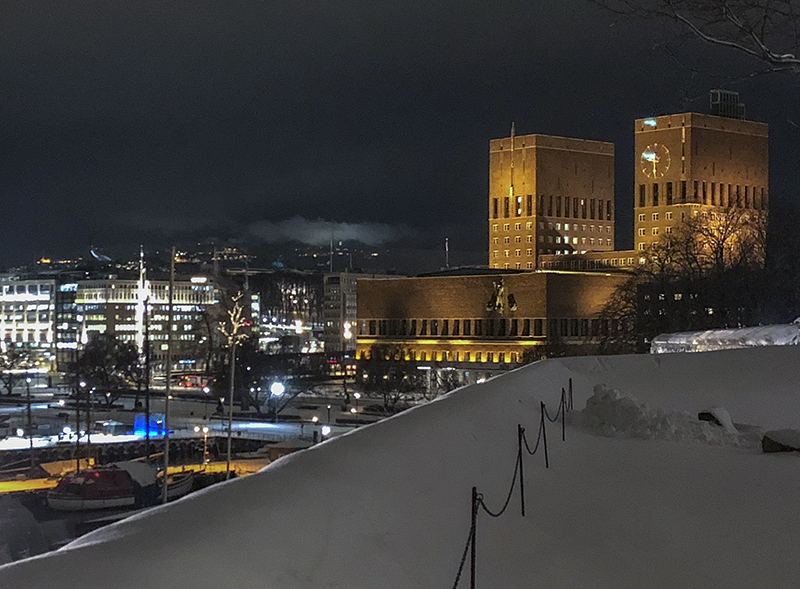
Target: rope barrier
x,y
564,405
508,497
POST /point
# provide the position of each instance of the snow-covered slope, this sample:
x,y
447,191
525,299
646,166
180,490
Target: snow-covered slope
x,y
389,505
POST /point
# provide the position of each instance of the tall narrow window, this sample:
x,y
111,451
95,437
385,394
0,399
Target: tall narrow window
x,y
529,203
683,190
591,208
608,210
558,206
669,193
655,195
705,194
695,196
495,205
505,207
550,206
642,195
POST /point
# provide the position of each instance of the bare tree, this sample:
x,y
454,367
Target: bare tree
x,y
707,273
766,30
13,360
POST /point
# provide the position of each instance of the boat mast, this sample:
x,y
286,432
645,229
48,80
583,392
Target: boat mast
x,y
169,373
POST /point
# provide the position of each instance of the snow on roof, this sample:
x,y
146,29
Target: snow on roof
x,y
726,339
389,505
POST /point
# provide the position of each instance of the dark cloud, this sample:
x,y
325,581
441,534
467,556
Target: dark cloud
x,y
124,121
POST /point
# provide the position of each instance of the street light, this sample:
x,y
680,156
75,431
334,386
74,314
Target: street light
x,y
329,413
204,429
357,396
30,422
276,389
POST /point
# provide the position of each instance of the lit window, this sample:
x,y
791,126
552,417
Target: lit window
x,y
641,247
668,230
655,230
517,253
506,226
517,226
506,239
529,252
641,218
495,240
529,225
558,226
641,232
494,227
575,240
655,216
517,239
507,253
529,239
591,228
494,254
529,265
558,239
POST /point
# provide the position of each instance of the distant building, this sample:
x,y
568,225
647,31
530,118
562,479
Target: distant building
x,y
27,317
548,195
339,312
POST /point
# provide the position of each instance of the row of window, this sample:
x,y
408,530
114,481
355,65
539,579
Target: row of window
x,y
713,193
450,356
31,289
568,207
492,327
550,225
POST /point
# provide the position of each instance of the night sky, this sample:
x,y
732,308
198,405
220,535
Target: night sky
x,y
173,121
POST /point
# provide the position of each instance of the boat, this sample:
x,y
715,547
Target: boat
x,y
93,489
122,484
179,484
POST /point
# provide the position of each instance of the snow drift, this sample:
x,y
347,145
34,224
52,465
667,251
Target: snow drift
x,y
389,505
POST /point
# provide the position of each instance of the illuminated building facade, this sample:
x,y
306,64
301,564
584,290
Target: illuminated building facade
x,y
27,315
696,164
484,319
548,195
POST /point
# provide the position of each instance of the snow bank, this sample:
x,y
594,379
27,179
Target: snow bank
x,y
612,413
727,339
388,506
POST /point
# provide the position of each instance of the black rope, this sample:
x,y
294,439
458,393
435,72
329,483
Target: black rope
x,y
508,498
561,405
538,440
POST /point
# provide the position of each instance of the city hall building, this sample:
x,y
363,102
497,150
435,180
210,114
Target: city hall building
x,y
483,318
552,263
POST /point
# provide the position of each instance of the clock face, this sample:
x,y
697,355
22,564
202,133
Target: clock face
x,y
655,160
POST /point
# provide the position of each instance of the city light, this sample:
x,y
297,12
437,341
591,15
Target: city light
x,y
276,389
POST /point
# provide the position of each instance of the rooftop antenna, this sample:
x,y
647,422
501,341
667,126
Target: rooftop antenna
x,y
447,252
331,261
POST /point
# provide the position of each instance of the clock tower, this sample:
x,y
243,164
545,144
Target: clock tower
x,y
692,164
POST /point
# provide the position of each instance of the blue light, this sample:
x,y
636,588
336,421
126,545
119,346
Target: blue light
x,y
156,422
650,123
650,156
